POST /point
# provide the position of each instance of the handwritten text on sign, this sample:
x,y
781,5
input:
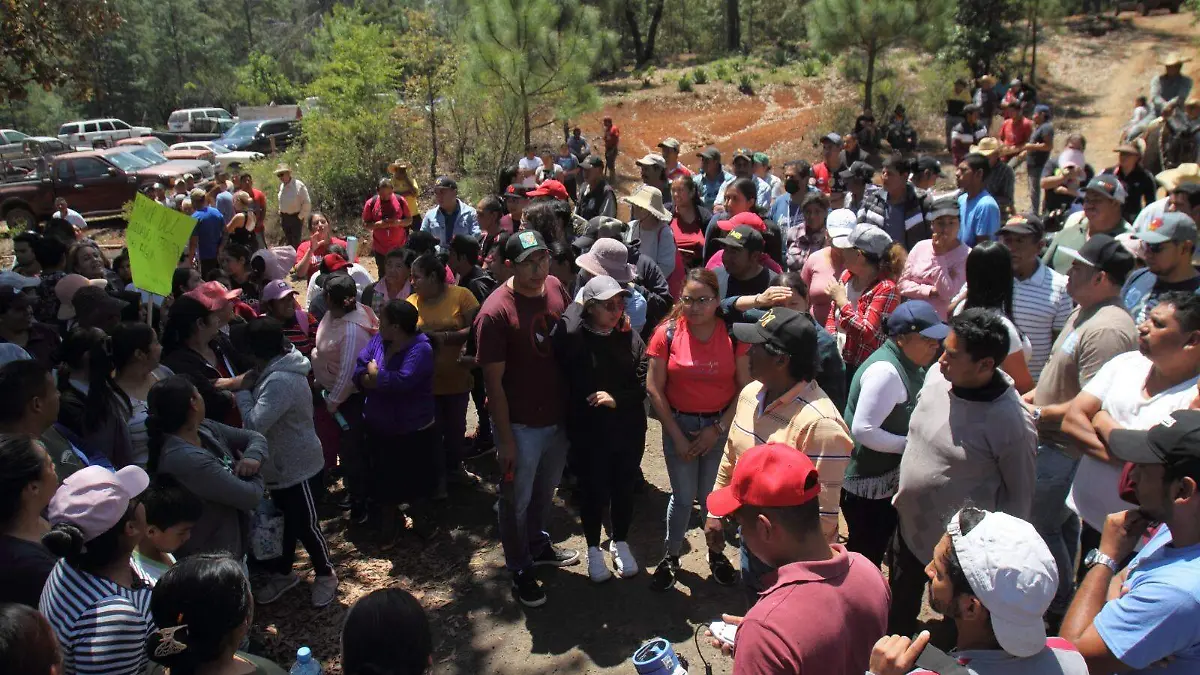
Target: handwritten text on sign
x,y
156,237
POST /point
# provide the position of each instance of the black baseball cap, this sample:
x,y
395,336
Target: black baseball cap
x,y
592,162
744,236
744,153
711,152
784,329
1175,440
927,163
1025,223
522,244
1105,253
445,183
858,169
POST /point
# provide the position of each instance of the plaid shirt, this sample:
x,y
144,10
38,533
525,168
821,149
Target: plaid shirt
x,y
863,322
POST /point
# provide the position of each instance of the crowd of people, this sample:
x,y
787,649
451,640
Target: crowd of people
x,y
849,374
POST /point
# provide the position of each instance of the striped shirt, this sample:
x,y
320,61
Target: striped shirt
x,y
805,418
101,626
1041,307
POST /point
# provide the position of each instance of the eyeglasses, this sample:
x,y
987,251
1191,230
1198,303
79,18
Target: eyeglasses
x,y
688,301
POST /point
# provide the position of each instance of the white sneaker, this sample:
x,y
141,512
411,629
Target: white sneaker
x,y
623,559
598,565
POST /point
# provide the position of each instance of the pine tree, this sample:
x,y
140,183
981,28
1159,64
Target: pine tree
x,y
985,32
872,27
537,54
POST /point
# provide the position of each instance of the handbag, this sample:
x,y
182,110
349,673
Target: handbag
x,y
266,530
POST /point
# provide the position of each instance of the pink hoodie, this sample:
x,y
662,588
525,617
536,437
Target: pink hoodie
x,y
338,343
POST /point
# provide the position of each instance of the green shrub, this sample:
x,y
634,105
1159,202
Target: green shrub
x,y
700,76
810,68
721,71
685,83
746,84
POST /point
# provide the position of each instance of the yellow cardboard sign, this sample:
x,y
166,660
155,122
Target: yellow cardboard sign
x,y
156,237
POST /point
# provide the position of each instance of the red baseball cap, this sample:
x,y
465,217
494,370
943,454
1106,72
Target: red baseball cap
x,y
213,295
334,262
770,475
550,188
744,218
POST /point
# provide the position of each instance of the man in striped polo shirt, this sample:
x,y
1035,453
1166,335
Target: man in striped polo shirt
x,y
1041,304
784,404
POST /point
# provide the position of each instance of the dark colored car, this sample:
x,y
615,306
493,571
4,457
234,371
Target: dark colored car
x,y
265,136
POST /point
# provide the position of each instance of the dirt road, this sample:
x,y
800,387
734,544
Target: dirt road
x,y
594,629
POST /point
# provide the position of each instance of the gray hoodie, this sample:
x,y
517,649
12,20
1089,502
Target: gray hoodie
x,y
281,408
208,472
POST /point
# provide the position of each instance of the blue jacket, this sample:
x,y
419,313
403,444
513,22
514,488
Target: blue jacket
x,y
464,222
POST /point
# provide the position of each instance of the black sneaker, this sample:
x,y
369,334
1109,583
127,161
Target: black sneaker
x,y
556,557
722,570
527,589
664,575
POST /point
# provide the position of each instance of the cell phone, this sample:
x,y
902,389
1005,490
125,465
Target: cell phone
x,y
725,632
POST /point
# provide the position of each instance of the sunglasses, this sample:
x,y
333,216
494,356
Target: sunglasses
x,y
688,301
612,305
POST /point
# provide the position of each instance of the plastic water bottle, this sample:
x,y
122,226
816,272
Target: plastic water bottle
x,y
337,415
305,663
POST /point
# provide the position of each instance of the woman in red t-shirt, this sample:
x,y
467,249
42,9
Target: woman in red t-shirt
x,y
687,224
387,216
693,379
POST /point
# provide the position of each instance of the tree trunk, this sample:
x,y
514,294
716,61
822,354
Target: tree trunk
x,y
433,139
525,115
869,84
249,25
733,25
1033,47
631,23
652,33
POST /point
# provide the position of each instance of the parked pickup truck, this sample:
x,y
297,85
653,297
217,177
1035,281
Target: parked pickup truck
x,y
96,183
34,153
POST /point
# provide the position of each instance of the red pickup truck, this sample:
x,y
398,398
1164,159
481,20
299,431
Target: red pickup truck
x,y
96,183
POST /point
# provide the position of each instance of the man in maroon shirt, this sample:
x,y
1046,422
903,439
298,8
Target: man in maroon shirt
x,y
773,496
525,398
612,138
246,184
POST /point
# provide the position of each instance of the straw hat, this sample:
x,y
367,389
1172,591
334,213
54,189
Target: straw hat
x,y
649,198
987,147
1170,179
1173,59
987,81
282,169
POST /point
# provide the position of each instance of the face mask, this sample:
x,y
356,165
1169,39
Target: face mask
x,y
791,185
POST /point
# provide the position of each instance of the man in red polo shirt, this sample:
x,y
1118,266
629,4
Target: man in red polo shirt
x,y
612,139
773,497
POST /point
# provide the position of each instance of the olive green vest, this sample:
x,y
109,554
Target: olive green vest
x,y
865,462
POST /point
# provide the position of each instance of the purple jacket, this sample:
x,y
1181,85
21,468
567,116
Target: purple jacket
x,y
402,400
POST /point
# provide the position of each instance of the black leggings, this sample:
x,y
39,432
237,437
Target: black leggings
x,y
607,476
870,523
300,523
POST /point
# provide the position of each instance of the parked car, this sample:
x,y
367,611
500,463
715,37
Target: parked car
x,y
1144,7
32,155
96,183
85,133
199,169
186,120
257,135
230,159
195,155
10,142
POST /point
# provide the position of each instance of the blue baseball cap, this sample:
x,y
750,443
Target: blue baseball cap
x,y
917,316
1042,108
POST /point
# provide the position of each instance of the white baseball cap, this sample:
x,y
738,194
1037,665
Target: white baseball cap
x,y
839,224
1011,571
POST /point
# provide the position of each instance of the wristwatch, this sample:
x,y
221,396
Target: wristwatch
x,y
1095,557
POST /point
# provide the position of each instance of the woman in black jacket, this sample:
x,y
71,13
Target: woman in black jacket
x,y
194,345
94,412
603,361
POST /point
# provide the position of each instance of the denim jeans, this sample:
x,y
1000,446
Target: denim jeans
x,y
753,570
525,502
1058,525
690,480
1035,189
